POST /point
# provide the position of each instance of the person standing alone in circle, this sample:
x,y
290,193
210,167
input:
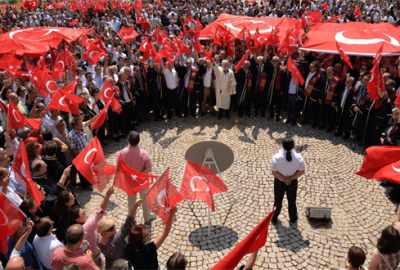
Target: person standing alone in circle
x,y
286,166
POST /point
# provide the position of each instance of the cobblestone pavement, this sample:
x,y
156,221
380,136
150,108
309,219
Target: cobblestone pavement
x,y
360,207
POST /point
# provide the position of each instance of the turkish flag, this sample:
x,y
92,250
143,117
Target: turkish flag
x,y
201,183
314,17
274,40
142,21
344,56
11,218
254,241
60,66
160,3
130,180
397,101
139,5
334,19
65,102
296,75
148,49
107,93
209,55
177,45
127,34
375,81
240,63
378,55
86,42
48,87
22,173
95,52
162,196
71,87
220,33
3,107
159,35
325,7
17,120
230,51
189,19
259,40
381,162
31,4
194,38
199,27
11,64
149,8
93,166
41,64
99,121
357,12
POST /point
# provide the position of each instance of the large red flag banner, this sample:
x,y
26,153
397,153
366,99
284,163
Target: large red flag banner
x,y
162,196
254,241
10,220
200,182
35,41
93,166
130,180
381,162
355,38
265,26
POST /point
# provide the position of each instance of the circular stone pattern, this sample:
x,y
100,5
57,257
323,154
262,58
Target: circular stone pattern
x,y
360,209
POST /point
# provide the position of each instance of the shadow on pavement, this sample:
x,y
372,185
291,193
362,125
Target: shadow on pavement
x,y
220,238
290,238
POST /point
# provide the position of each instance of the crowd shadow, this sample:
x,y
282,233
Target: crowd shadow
x,y
220,238
83,197
290,238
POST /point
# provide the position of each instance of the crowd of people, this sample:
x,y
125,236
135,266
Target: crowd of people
x,y
333,97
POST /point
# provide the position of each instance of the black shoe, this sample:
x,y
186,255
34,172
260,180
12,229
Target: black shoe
x,y
345,137
293,123
169,116
321,127
329,129
270,117
255,114
240,115
263,115
227,117
314,125
287,121
219,117
117,139
202,114
277,119
213,113
337,134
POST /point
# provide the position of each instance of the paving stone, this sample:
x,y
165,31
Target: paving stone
x,y
360,209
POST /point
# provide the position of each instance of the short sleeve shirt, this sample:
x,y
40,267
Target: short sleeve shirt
x,y
287,168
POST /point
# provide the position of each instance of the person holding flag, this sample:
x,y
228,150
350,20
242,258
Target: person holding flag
x,y
139,160
142,254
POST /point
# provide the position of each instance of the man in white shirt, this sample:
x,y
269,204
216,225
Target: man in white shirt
x,y
172,82
45,242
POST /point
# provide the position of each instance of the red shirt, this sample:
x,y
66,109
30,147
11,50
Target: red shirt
x,y
61,257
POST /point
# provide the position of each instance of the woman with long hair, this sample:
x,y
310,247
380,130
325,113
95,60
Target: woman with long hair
x,y
387,254
141,253
286,166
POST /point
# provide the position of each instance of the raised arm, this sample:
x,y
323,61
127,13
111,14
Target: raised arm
x,y
106,199
161,238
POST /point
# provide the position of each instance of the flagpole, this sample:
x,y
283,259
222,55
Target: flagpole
x,y
209,211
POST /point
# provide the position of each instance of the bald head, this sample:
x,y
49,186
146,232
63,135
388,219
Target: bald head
x,y
15,263
14,98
